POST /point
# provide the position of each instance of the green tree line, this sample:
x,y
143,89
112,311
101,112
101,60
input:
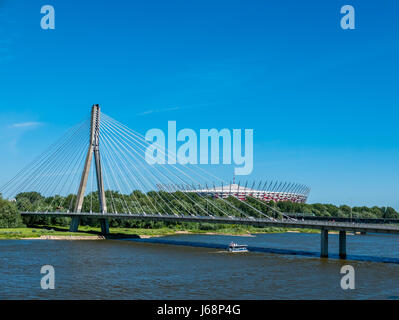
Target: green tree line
x,y
166,203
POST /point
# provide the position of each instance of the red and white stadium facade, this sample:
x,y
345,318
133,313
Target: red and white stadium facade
x,y
275,192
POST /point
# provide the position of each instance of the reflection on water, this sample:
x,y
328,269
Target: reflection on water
x,y
309,245
279,266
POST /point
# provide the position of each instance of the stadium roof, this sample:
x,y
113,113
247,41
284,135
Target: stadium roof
x,y
235,188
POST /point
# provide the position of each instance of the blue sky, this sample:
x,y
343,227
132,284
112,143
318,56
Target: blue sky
x,y
322,101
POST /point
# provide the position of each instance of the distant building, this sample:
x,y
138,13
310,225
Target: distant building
x,y
277,192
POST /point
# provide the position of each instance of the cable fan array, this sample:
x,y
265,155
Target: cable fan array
x,y
53,173
132,184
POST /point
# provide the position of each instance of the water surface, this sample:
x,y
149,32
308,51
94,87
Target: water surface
x,y
200,268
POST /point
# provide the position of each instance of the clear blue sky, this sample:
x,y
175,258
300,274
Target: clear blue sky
x,y
323,102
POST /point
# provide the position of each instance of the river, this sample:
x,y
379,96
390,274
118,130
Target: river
x,y
279,266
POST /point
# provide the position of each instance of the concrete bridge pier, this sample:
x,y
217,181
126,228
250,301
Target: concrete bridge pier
x,y
104,226
324,243
342,244
73,227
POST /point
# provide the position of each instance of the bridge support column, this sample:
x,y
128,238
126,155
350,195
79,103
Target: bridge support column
x,y
104,226
324,244
342,244
74,224
94,148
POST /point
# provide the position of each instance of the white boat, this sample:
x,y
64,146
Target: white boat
x,y
234,247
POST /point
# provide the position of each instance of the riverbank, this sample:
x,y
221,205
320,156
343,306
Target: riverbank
x,y
92,233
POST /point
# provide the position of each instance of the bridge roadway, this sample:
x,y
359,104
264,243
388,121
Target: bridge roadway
x,y
324,226
345,219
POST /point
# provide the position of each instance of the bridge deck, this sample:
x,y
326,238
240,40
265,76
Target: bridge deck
x,y
291,223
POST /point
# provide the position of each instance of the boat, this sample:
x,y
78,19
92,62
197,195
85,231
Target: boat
x,y
234,247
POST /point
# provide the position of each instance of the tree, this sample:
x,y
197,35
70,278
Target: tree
x,y
9,215
24,205
390,213
31,196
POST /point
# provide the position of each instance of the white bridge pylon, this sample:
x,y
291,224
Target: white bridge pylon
x,y
94,148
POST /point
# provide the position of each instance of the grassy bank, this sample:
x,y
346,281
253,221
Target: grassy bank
x,y
22,233
38,231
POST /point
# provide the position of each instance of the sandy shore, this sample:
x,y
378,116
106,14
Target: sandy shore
x,y
99,237
228,234
119,236
144,236
67,238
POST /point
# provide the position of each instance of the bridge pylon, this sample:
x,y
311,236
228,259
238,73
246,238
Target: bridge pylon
x,y
94,149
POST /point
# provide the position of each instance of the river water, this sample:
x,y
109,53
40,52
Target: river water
x,y
279,266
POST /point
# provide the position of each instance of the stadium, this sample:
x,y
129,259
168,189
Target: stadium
x,y
273,191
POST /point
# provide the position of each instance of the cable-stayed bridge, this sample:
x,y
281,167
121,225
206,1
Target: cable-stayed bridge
x,y
99,169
